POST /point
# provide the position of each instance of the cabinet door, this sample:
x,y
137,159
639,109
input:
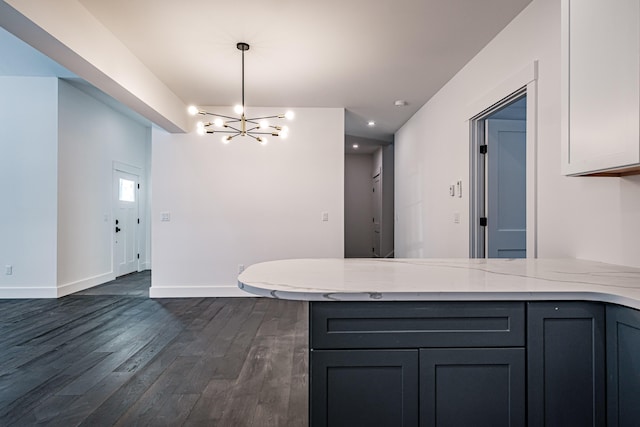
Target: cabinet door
x,y
566,364
364,388
623,366
472,387
601,85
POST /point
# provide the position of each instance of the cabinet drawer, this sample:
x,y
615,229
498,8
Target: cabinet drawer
x,y
422,324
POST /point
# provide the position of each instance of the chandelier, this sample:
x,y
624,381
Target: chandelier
x,y
254,127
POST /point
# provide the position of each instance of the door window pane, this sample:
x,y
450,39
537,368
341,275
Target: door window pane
x,y
127,191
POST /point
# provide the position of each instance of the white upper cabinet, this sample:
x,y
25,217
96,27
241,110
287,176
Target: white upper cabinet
x,y
600,87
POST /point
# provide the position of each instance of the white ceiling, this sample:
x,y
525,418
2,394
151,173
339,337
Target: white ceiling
x,y
358,54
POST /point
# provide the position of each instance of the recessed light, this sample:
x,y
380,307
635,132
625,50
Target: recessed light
x,y
400,103
355,146
371,123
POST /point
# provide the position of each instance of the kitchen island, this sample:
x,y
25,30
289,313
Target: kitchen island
x,y
465,341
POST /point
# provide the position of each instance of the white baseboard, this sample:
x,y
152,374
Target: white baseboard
x,y
197,292
81,285
27,293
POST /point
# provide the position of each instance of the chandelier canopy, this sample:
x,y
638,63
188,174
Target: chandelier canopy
x,y
254,127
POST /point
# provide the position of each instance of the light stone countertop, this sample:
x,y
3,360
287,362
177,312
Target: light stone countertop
x,y
398,279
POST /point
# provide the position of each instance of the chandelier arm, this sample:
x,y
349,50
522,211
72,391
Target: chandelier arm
x,y
265,117
229,138
254,137
220,115
236,130
224,131
263,133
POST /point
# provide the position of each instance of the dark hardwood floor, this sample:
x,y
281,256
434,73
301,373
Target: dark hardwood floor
x,y
110,356
135,285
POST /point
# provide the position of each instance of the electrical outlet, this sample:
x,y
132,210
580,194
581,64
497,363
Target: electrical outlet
x,y
325,216
240,268
165,216
8,270
456,217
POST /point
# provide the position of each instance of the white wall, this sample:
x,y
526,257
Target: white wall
x,y
244,203
590,218
357,205
28,177
91,137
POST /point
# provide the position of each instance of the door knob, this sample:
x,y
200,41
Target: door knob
x,y
117,229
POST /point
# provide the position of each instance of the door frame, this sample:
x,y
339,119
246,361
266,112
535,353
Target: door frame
x,y
133,170
519,84
376,208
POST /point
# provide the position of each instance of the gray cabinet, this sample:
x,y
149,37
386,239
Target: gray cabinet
x,y
364,388
623,366
417,363
480,387
566,364
471,363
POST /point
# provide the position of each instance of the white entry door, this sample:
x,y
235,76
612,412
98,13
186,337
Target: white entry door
x,y
126,222
506,189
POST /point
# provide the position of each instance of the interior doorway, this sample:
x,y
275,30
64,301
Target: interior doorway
x,y
368,198
499,172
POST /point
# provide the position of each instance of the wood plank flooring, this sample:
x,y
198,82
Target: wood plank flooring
x,y
110,356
